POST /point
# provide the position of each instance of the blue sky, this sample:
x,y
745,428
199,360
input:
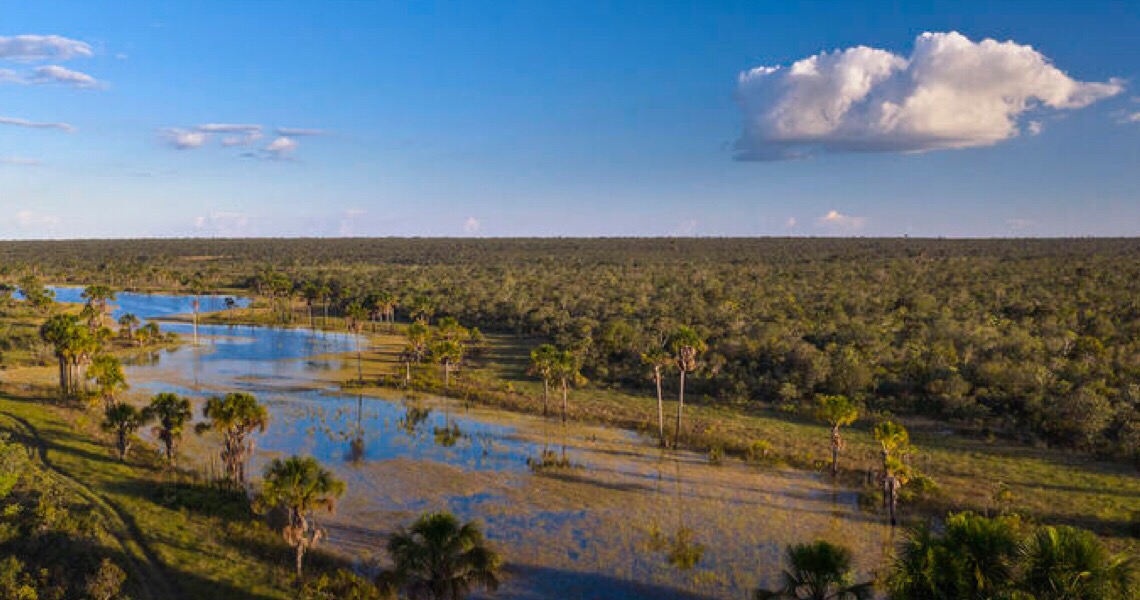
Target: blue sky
x,y
568,118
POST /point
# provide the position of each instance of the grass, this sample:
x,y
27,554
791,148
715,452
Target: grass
x,y
186,539
984,475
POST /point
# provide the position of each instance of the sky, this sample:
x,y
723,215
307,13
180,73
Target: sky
x,y
211,118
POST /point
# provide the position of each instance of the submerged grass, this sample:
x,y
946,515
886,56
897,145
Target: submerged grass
x,y
984,475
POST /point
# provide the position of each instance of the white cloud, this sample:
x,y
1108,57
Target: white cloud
x,y
790,223
299,132
34,221
281,147
229,128
1131,118
223,224
837,220
61,75
1035,127
348,221
684,228
1017,224
34,124
950,93
183,139
30,48
19,161
472,225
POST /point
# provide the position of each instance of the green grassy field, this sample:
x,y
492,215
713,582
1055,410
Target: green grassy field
x,y
180,537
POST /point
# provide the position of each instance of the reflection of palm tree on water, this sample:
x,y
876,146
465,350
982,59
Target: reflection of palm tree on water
x,y
356,448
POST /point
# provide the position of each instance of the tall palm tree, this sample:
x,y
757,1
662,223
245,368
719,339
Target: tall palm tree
x,y
123,420
685,344
542,361
1064,563
127,324
567,368
235,416
172,413
440,559
300,486
97,297
658,359
415,349
817,571
107,371
836,411
447,353
894,440
65,335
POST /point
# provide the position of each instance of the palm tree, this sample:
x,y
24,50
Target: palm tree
x,y
123,420
659,359
974,557
685,344
354,316
107,371
836,411
172,413
1064,563
300,486
97,297
235,417
542,361
386,302
447,353
894,440
421,309
818,571
311,293
440,559
65,335
415,348
568,371
127,324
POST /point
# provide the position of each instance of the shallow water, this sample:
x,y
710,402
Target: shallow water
x,y
601,529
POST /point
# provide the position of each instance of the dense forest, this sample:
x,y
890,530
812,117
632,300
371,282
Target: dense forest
x,y
1037,340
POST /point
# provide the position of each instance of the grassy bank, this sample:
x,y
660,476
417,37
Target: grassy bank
x,y
174,535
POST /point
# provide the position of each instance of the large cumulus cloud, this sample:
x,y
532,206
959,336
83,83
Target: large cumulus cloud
x,y
950,93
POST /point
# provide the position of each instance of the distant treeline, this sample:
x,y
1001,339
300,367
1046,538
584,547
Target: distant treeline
x,y
1036,339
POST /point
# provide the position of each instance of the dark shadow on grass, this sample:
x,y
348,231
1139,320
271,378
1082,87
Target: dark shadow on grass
x,y
533,582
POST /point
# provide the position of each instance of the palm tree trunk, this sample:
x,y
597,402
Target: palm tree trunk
x,y
660,407
300,557
564,392
680,410
359,368
835,443
545,395
407,374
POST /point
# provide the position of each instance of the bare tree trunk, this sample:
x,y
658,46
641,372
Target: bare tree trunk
x,y
300,556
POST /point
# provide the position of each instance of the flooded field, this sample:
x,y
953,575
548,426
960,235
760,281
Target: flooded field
x,y
623,521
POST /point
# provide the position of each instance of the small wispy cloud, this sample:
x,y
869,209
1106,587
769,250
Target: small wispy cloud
x,y
183,139
299,132
60,75
837,220
19,161
224,224
1035,127
790,223
1018,224
348,221
35,124
32,48
34,221
281,148
472,225
685,228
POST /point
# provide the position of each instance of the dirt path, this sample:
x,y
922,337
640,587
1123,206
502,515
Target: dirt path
x,y
150,573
